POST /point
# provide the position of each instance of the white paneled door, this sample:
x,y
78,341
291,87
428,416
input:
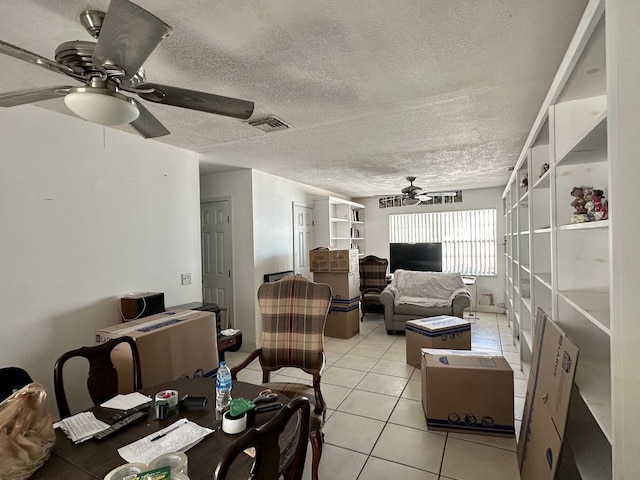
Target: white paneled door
x,y
217,283
302,223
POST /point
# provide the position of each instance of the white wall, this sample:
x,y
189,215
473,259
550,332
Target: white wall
x,y
236,186
262,234
377,235
87,214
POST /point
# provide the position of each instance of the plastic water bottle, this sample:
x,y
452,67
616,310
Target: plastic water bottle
x,y
223,387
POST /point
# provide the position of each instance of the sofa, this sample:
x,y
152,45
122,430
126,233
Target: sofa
x,y
412,295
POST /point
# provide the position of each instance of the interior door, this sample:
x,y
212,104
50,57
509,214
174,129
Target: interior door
x,y
302,223
217,282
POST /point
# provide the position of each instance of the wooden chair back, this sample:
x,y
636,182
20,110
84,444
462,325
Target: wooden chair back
x,y
269,461
102,381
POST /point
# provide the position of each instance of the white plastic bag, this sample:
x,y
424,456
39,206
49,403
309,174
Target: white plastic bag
x,y
26,433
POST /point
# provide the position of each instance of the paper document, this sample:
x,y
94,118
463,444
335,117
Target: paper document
x,y
81,427
125,402
180,436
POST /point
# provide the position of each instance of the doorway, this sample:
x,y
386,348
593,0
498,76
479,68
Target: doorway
x,y
217,280
302,223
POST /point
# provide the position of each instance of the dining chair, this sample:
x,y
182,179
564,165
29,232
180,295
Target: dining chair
x,y
373,279
294,312
269,461
102,381
12,379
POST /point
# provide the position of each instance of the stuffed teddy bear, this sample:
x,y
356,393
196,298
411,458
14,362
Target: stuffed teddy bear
x,y
579,202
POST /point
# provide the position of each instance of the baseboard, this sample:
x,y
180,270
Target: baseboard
x,y
489,309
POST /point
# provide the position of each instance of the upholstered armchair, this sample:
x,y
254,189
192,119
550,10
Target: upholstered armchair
x,y
373,279
294,312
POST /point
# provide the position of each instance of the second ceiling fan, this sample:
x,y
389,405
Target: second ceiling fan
x,y
411,195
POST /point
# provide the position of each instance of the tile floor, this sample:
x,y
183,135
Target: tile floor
x,y
375,425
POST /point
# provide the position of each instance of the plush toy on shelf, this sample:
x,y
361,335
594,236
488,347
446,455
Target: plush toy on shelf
x,y
578,202
524,183
600,206
588,203
544,169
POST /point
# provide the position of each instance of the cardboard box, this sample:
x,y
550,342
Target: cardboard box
x,y
452,333
468,392
344,285
342,324
323,259
170,344
544,419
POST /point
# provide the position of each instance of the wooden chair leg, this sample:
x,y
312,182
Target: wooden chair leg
x,y
316,438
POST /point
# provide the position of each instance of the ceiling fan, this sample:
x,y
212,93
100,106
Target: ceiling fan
x,y
411,195
127,34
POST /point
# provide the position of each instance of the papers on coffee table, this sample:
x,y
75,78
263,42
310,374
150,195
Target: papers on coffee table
x,y
180,436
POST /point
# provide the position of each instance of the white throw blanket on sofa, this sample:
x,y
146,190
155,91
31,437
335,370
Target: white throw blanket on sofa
x,y
427,289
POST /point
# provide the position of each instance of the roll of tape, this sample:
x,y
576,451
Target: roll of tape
x,y
169,396
234,425
177,461
125,471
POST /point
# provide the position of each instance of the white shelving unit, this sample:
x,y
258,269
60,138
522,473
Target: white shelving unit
x,y
575,271
339,224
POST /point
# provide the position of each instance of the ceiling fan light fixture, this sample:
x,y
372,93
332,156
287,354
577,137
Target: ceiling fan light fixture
x,y
411,201
102,106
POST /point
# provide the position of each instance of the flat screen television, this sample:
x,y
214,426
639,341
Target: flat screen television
x,y
424,257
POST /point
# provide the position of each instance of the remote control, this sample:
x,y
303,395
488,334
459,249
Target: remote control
x,y
125,413
119,425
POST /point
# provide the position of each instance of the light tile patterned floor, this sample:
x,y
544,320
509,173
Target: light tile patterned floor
x,y
375,425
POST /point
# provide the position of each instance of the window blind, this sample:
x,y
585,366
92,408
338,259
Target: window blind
x,y
468,237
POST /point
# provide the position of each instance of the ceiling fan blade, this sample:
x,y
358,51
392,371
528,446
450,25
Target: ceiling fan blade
x,y
21,97
194,100
27,56
147,125
128,36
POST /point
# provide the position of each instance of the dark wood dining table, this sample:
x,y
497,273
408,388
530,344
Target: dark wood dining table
x,y
93,460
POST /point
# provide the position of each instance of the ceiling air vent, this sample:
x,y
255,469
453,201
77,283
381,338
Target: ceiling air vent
x,y
269,124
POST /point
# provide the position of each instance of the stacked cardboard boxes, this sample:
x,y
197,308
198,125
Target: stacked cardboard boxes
x,y
343,320
323,259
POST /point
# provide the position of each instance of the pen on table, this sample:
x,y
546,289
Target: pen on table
x,y
175,427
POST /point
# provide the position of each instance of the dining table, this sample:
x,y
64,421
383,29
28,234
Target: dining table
x,y
94,459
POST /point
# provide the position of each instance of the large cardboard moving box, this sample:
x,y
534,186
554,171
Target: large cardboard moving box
x,y
452,333
544,419
468,392
342,324
323,259
171,344
345,285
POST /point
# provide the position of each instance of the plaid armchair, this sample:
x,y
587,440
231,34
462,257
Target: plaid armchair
x,y
294,311
373,279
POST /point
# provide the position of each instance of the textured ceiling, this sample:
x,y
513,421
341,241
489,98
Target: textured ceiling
x,y
445,90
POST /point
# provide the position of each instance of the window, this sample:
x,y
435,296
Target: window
x,y
468,237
